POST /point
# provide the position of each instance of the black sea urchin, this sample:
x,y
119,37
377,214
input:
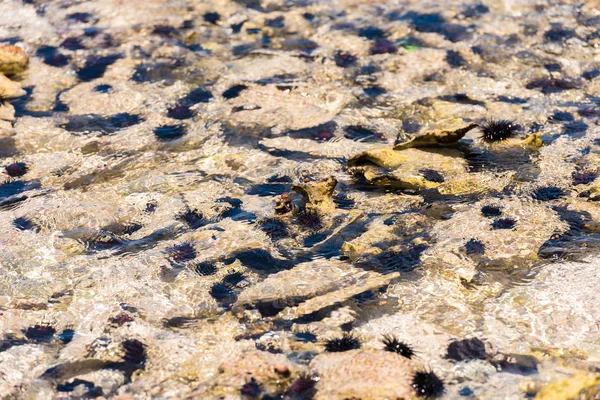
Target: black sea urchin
x,y
251,389
432,175
395,345
135,351
474,246
193,218
303,385
182,252
309,219
427,384
498,130
16,169
504,223
205,268
548,193
491,211
583,177
347,342
40,332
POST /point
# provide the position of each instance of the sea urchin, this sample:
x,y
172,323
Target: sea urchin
x,y
427,384
498,130
347,342
395,345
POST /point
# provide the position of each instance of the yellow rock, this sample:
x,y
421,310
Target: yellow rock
x,y
578,386
534,140
387,158
399,181
318,196
13,60
213,46
436,138
405,169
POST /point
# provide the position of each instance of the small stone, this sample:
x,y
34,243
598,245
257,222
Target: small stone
x,y
284,204
318,196
7,111
13,60
383,46
10,89
281,369
90,148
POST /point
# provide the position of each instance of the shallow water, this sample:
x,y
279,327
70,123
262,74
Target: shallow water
x,y
142,252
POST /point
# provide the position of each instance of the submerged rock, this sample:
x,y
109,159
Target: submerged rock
x,y
579,386
363,374
533,224
288,288
118,222
385,157
448,134
353,286
409,169
254,374
310,287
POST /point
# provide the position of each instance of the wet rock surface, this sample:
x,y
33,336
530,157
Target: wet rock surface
x,y
278,199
